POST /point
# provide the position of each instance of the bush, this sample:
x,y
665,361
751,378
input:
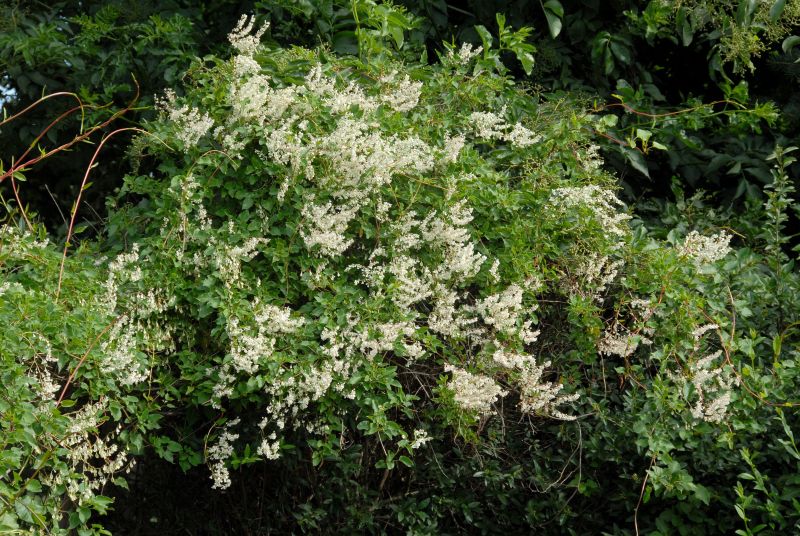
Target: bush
x,y
418,279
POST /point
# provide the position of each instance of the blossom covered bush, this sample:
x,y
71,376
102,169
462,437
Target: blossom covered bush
x,y
329,260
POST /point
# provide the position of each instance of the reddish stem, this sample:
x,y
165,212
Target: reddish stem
x,y
78,200
82,359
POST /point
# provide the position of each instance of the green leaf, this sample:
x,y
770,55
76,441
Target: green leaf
x,y
345,42
397,35
553,12
556,7
501,22
636,159
776,345
776,10
702,493
745,12
789,43
608,62
486,37
526,59
684,27
621,51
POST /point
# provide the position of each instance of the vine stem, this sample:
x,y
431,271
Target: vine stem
x,y
83,358
641,495
78,200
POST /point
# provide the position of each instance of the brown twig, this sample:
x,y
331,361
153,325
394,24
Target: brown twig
x,y
641,494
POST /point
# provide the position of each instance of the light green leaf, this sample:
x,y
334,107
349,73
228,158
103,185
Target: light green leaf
x,y
486,37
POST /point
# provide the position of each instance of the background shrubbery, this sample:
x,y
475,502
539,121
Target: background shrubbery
x,y
369,279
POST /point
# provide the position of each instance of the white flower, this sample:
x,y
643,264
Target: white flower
x,y
241,38
521,136
473,392
541,397
420,438
464,55
452,148
502,310
192,125
615,343
603,203
218,453
488,125
325,228
404,97
712,383
706,249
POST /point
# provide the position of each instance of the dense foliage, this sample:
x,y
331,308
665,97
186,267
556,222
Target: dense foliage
x,y
380,283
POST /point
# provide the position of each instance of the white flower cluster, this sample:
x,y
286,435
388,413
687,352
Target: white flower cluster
x,y
192,125
270,447
698,333
713,386
228,260
404,96
452,148
18,241
706,249
603,203
249,345
326,228
617,341
491,126
596,272
461,261
502,310
41,364
339,100
542,398
92,459
137,325
339,167
219,452
473,392
536,396
242,37
464,55
120,348
591,160
420,438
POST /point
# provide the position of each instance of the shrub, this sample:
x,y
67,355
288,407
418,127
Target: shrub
x,y
394,271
